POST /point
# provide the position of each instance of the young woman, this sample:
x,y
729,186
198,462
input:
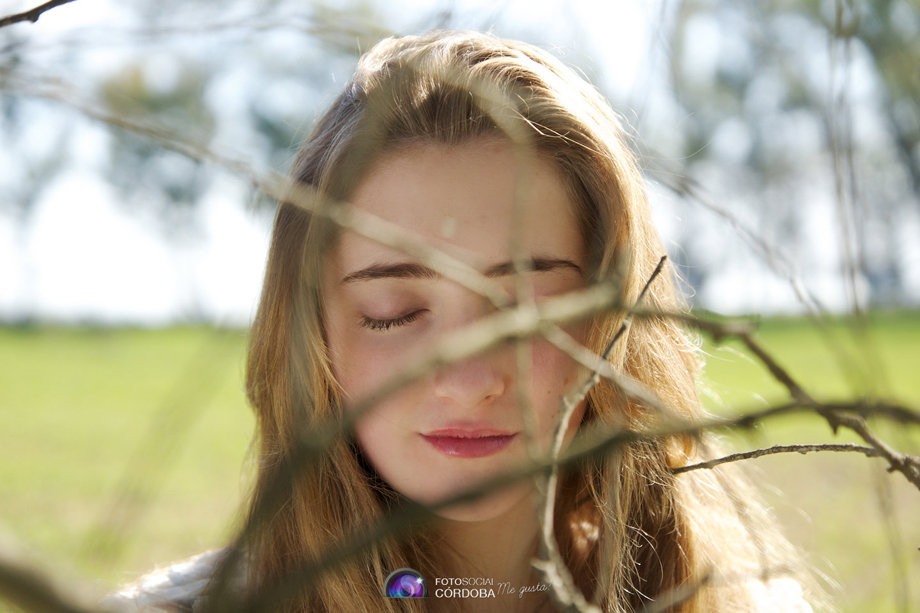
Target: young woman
x,y
495,155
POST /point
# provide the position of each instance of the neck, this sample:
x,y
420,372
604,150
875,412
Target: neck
x,y
500,549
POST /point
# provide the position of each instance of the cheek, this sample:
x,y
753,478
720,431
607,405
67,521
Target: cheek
x,y
374,436
361,363
554,376
554,372
387,435
359,370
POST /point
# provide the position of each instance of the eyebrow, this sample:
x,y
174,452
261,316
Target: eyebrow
x,y
419,271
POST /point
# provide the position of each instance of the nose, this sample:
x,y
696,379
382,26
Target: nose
x,y
470,383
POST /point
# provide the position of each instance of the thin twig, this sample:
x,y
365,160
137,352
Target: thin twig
x,y
553,566
523,287
32,15
15,570
758,453
778,262
281,189
779,373
589,384
27,587
583,447
474,339
836,415
519,325
897,461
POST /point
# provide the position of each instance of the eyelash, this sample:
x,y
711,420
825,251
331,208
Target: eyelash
x,y
382,325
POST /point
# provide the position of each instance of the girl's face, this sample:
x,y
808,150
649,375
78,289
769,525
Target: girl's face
x,y
463,424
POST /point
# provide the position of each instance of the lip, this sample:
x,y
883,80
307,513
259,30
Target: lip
x,y
469,442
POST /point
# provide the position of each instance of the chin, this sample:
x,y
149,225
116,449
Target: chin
x,y
488,507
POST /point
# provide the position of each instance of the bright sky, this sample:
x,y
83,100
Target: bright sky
x,y
82,257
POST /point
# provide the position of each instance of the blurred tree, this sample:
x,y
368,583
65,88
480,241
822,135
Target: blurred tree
x,y
140,167
782,109
239,79
777,94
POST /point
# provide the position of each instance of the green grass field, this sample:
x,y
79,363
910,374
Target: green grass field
x,y
125,449
832,505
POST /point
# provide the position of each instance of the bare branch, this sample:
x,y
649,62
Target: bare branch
x,y
474,339
782,265
32,15
31,589
897,461
758,453
596,372
523,322
392,235
553,567
280,189
583,447
778,372
836,415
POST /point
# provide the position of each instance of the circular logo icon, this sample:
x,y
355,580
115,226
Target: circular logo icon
x,y
405,583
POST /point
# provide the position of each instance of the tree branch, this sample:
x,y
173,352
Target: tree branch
x,y
523,323
32,15
553,567
31,589
758,453
581,448
278,188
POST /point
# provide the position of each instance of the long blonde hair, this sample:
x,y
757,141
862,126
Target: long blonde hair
x,y
628,528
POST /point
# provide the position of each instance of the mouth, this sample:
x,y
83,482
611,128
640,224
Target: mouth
x,y
468,443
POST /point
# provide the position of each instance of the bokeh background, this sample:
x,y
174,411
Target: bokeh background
x,y
781,146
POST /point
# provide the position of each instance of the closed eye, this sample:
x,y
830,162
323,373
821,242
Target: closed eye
x,y
382,325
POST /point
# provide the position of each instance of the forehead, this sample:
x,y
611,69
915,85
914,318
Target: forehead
x,y
461,199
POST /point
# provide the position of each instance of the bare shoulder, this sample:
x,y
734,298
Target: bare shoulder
x,y
174,589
